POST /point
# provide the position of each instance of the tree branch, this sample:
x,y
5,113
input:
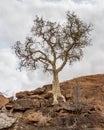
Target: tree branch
x,y
43,54
69,47
48,41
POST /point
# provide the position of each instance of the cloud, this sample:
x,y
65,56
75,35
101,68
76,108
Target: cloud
x,y
16,20
12,80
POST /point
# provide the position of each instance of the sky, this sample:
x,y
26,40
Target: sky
x,y
16,20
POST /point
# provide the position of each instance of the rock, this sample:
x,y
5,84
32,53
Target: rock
x,y
21,94
18,114
6,121
9,106
47,88
11,99
35,97
65,105
37,91
63,122
48,96
33,116
69,94
23,104
37,118
3,101
44,121
83,109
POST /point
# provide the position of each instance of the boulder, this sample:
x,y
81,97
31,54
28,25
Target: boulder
x,y
21,94
3,101
6,121
23,104
33,116
37,118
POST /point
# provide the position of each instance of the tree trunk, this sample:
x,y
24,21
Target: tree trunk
x,y
56,89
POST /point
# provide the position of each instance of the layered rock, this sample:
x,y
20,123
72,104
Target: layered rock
x,y
3,100
83,109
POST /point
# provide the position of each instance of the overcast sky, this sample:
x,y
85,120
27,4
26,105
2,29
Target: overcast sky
x,y
16,20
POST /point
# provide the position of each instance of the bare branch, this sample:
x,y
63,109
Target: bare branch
x,y
52,42
43,56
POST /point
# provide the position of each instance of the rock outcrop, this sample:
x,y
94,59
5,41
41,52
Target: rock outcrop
x,y
6,121
3,101
83,109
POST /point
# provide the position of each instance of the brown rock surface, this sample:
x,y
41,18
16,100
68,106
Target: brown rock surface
x,y
83,109
3,101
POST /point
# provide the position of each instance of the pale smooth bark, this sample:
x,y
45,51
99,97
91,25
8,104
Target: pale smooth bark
x,y
56,88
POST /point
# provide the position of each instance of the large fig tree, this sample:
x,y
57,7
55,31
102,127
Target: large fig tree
x,y
52,45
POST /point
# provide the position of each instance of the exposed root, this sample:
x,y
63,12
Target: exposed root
x,y
55,98
63,98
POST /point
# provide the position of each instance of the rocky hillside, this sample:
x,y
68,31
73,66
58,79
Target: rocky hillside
x,y
33,110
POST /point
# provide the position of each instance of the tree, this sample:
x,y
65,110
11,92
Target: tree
x,y
52,45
